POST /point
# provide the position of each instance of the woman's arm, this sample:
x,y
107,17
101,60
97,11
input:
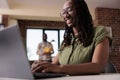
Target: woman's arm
x,y
99,60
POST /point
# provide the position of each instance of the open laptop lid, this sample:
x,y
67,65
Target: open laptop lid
x,y
13,58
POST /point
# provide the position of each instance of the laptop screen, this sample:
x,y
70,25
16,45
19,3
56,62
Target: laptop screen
x,y
13,57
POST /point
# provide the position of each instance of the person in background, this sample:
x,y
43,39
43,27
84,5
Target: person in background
x,y
45,49
85,48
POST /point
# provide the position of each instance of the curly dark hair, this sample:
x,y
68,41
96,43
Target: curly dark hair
x,y
83,23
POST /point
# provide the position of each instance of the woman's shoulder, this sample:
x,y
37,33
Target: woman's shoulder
x,y
100,33
100,30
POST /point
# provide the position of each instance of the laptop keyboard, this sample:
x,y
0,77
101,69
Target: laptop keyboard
x,y
47,75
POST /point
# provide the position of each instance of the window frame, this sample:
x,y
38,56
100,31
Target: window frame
x,y
44,30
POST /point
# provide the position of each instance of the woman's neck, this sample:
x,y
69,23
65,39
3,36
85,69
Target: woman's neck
x,y
75,31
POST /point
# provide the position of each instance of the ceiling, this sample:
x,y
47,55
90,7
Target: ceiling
x,y
46,9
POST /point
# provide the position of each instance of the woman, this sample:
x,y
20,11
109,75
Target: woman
x,y
85,49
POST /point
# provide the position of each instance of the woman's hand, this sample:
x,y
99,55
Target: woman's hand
x,y
45,67
34,66
52,68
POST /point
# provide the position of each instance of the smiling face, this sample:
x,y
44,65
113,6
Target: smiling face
x,y
68,13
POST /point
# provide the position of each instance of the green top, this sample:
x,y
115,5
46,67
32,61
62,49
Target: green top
x,y
76,53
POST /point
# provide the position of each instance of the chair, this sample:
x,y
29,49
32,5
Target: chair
x,y
110,68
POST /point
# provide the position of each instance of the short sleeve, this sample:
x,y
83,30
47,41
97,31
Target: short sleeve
x,y
101,33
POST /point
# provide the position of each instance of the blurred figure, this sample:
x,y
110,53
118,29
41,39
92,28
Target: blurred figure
x,y
45,49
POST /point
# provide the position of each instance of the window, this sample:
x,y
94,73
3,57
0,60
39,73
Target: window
x,y
61,35
34,37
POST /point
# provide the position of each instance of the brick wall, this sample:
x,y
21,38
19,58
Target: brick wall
x,y
111,17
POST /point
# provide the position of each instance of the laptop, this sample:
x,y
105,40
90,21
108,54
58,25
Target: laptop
x,y
13,57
